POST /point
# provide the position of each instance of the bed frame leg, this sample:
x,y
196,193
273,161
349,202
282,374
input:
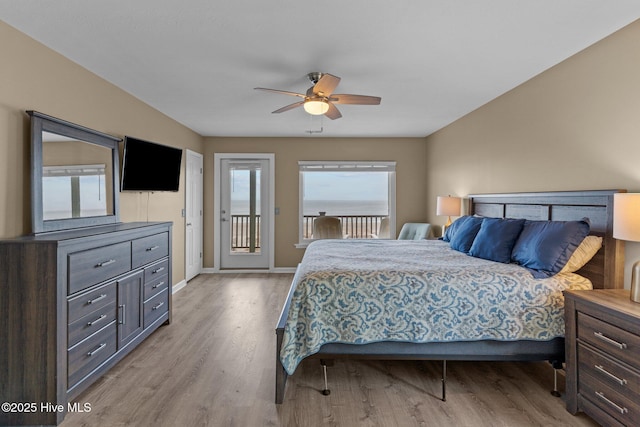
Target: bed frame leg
x,y
555,365
281,374
555,391
325,391
444,380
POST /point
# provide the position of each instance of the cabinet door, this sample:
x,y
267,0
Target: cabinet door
x,y
129,308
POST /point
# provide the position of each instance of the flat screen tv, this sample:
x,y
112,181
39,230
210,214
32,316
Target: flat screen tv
x,y
148,166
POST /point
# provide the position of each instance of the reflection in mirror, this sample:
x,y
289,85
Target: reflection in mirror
x,y
76,178
74,175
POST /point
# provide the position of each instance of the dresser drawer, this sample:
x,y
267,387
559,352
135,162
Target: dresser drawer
x,y
93,266
608,371
152,287
90,353
92,322
149,249
82,305
615,404
609,338
155,308
155,271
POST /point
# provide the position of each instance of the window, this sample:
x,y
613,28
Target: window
x,y
360,194
73,191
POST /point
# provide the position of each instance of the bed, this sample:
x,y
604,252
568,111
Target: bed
x,y
423,300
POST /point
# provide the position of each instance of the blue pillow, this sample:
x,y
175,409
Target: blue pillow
x,y
462,239
453,228
544,247
496,239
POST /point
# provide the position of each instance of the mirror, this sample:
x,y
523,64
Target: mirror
x,y
74,174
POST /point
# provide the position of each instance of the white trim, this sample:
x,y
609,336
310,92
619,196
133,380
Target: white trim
x,y
201,196
178,287
218,157
345,166
271,270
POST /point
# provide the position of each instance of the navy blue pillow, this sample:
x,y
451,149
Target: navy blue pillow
x,y
453,228
496,239
464,235
544,247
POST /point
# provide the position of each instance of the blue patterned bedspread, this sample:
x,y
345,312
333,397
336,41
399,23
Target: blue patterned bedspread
x,y
364,291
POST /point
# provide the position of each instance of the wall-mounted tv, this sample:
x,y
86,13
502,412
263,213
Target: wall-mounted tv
x,y
148,166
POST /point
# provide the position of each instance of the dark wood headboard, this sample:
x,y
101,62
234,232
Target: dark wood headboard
x,y
606,269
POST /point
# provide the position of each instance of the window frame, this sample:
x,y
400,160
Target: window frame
x,y
346,166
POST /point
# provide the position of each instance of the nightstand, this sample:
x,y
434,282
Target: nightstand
x,y
602,345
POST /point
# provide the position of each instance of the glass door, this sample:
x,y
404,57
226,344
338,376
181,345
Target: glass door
x,y
244,213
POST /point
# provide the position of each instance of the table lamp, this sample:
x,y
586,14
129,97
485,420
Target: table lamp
x,y
449,206
626,226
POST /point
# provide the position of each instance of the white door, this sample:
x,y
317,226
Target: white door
x,y
244,213
193,215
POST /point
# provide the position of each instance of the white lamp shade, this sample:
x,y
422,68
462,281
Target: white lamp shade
x,y
626,216
449,206
316,108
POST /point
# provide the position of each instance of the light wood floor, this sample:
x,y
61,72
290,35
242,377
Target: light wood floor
x,y
214,366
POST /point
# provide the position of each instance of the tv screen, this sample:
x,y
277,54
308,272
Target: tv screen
x,y
148,166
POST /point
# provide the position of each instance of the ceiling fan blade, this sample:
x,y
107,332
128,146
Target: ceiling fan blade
x,y
333,112
355,99
284,92
288,107
326,85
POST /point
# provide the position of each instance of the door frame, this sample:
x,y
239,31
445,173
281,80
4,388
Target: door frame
x,y
200,197
218,157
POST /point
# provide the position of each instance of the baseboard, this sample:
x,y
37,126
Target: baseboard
x,y
288,270
178,286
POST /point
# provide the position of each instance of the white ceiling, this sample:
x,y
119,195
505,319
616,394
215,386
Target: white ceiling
x,y
431,61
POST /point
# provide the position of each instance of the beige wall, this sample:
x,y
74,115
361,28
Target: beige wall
x,y
33,77
409,153
573,127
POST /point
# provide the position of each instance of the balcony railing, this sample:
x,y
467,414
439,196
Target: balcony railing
x,y
353,226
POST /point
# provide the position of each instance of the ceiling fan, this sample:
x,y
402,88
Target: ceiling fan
x,y
320,98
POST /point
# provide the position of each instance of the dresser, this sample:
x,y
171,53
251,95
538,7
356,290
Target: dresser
x,y
74,303
602,341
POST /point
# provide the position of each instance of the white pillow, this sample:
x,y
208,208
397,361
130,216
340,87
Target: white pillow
x,y
583,254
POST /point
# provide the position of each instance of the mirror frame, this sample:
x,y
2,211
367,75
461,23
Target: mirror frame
x,y
44,123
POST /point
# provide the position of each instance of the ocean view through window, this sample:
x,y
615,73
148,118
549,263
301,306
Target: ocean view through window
x,y
360,194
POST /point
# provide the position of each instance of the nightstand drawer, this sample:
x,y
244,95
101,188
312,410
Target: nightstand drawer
x,y
609,338
616,404
608,371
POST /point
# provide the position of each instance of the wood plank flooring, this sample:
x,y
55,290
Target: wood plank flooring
x,y
214,366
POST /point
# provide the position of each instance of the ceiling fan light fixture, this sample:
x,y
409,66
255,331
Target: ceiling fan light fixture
x,y
316,107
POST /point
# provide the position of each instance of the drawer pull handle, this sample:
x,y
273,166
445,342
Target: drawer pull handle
x,y
618,408
157,306
105,263
157,270
100,347
157,285
122,319
95,300
608,340
620,381
99,319
153,248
